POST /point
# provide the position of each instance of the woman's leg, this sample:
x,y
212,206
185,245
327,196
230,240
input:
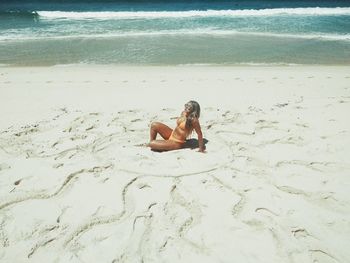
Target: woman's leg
x,y
162,129
160,145
165,132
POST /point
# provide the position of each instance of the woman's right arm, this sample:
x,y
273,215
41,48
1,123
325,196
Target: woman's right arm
x,y
197,128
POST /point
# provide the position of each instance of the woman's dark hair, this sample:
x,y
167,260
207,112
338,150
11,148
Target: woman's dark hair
x,y
195,112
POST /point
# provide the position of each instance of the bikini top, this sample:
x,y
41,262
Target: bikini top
x,y
181,122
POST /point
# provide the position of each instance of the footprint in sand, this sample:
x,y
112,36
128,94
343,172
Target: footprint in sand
x,y
17,182
135,120
58,165
254,109
170,110
266,211
300,232
281,105
54,144
4,166
303,125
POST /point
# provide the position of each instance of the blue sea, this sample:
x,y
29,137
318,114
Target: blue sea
x,y
168,32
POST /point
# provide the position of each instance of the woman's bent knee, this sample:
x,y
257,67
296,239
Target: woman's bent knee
x,y
155,125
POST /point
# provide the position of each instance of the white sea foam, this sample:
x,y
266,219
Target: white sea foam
x,y
193,13
182,32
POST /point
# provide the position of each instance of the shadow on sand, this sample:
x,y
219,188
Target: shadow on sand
x,y
190,143
193,143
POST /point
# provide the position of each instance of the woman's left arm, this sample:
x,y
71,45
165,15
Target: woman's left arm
x,y
197,128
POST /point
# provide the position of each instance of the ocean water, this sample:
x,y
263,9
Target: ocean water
x,y
169,32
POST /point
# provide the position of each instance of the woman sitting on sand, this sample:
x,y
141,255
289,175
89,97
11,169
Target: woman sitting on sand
x,y
175,139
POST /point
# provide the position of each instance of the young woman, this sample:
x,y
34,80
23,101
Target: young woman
x,y
175,139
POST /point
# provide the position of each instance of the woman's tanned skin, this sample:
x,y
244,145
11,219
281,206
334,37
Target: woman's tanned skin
x,y
175,139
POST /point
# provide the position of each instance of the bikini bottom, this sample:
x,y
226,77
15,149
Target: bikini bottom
x,y
174,139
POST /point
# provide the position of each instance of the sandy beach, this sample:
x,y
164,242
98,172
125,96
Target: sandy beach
x,y
273,185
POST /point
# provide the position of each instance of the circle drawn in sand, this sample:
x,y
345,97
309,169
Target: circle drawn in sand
x,y
184,162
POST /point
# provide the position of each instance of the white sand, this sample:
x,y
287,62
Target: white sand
x,y
272,187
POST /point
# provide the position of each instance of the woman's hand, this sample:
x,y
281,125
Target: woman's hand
x,y
202,151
